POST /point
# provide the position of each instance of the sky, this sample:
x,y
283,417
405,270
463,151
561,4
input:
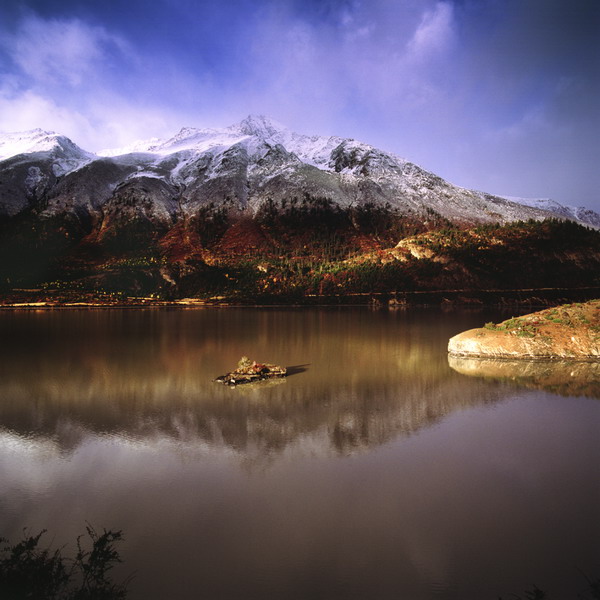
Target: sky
x,y
497,95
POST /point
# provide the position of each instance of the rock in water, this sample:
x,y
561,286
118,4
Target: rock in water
x,y
249,371
570,331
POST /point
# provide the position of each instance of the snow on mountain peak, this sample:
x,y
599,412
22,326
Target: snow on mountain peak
x,y
187,138
260,126
240,150
22,142
65,155
198,140
579,213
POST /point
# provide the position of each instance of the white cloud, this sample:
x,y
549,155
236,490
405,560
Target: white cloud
x,y
395,74
305,73
352,24
435,32
65,52
118,121
109,120
64,82
373,57
28,110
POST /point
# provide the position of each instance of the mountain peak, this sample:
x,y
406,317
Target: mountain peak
x,y
259,158
36,140
259,125
187,132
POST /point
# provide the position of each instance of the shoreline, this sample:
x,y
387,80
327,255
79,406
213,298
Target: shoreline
x,y
525,297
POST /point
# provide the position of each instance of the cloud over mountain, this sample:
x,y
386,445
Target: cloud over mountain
x,y
493,96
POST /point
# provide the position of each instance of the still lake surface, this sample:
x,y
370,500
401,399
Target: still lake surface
x,y
374,471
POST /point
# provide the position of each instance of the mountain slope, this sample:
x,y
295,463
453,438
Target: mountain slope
x,y
242,166
580,214
31,162
253,210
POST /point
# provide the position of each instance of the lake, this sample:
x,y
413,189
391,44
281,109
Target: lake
x,y
375,470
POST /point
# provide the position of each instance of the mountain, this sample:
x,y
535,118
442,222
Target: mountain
x,y
255,210
579,214
242,166
43,144
31,162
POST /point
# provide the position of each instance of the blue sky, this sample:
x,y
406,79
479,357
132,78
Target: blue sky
x,y
497,95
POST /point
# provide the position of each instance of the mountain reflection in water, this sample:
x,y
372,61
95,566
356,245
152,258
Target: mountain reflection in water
x,y
565,377
373,471
357,378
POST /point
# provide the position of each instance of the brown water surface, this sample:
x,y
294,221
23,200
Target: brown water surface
x,y
373,471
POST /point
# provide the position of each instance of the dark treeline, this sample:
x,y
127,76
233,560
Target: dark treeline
x,y
289,250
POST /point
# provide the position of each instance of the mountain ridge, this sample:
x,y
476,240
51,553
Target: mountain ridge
x,y
256,212
246,164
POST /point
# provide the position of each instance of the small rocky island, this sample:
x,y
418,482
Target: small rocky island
x,y
249,371
569,331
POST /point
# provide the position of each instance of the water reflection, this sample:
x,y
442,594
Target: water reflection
x,y
374,471
564,377
357,378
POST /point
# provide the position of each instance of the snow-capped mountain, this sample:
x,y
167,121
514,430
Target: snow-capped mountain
x,y
573,213
38,141
244,166
30,164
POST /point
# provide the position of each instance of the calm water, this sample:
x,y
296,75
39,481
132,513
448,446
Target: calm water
x,y
374,471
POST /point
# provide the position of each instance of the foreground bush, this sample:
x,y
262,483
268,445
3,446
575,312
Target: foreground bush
x,y
29,571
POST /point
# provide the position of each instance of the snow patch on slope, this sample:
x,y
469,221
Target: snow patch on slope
x,y
256,133
23,142
579,213
40,141
187,139
243,159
